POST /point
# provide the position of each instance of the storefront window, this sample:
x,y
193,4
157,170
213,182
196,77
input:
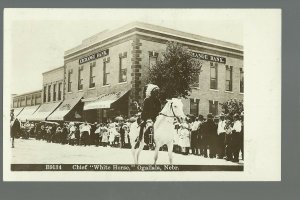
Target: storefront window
x,y
228,83
213,75
213,107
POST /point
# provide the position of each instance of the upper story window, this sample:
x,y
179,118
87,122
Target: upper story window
x,y
49,93
92,74
54,92
152,58
45,94
241,80
59,91
122,68
70,72
106,72
228,83
213,75
80,79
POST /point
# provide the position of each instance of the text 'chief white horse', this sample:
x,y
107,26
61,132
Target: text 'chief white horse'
x,y
164,129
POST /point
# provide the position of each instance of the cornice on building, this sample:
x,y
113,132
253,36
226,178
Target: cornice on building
x,y
140,27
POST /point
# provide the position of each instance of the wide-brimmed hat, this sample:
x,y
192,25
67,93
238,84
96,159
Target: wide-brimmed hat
x,y
210,116
222,115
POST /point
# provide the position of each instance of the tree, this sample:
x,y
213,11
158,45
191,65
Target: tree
x,y
175,72
233,106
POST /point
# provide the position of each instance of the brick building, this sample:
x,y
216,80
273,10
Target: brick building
x,y
106,73
26,104
109,70
52,93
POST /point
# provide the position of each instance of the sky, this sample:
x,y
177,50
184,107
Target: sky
x,y
36,39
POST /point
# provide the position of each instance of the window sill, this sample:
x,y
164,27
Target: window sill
x,y
70,92
80,90
92,88
106,85
215,90
120,83
231,92
241,92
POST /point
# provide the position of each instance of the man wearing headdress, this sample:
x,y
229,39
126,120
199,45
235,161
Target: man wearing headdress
x,y
151,108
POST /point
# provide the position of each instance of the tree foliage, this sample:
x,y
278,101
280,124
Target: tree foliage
x,y
233,106
175,72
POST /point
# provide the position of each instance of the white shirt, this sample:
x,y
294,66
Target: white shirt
x,y
195,125
237,126
221,127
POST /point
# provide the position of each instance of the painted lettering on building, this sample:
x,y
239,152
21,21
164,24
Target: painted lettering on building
x,y
94,56
208,57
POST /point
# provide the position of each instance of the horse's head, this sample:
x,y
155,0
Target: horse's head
x,y
174,108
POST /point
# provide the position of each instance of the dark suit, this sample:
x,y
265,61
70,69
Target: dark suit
x,y
209,134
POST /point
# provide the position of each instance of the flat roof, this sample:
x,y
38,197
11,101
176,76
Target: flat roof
x,y
51,70
32,92
104,35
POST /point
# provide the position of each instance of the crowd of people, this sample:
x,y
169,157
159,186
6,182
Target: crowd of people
x,y
222,138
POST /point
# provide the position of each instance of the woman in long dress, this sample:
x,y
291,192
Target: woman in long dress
x,y
184,141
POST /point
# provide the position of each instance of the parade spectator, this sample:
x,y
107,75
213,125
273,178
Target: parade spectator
x,y
176,147
200,142
97,135
236,135
194,136
184,141
209,136
92,133
105,136
85,130
221,137
72,136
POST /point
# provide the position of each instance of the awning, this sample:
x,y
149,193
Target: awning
x,y
104,100
17,111
27,112
64,109
44,111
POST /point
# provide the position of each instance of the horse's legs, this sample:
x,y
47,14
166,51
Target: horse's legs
x,y
13,142
133,151
156,152
139,151
170,152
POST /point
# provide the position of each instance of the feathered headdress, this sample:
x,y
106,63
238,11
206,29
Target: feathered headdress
x,y
150,88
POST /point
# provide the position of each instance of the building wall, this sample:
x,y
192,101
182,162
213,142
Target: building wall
x,y
203,93
112,62
28,99
51,78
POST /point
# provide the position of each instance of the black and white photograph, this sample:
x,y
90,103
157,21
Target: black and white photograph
x,y
148,91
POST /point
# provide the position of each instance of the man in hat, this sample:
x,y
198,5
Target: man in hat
x,y
151,108
209,136
236,132
200,135
221,136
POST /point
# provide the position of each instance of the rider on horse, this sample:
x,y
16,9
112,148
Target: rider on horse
x,y
151,108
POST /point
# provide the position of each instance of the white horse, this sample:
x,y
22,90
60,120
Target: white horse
x,y
164,130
